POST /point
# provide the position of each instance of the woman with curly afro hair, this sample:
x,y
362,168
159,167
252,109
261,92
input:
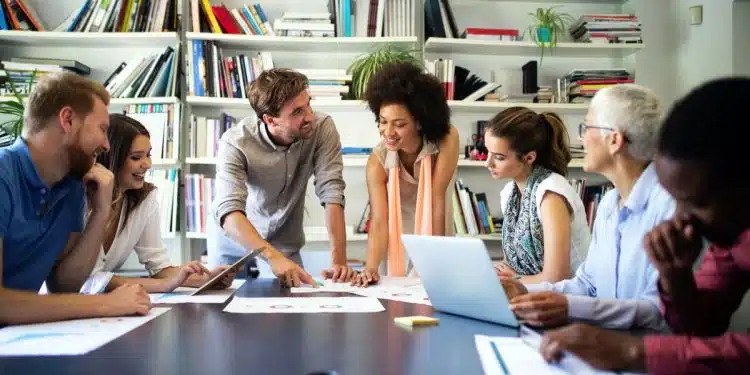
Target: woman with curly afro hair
x,y
410,169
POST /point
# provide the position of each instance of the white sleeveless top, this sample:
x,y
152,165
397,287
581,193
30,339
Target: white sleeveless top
x,y
580,235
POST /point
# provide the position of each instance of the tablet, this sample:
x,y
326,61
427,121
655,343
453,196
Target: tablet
x,y
215,280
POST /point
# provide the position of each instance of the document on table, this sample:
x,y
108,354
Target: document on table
x,y
72,337
515,355
182,295
404,289
290,305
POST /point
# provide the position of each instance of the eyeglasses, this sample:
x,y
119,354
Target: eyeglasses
x,y
583,127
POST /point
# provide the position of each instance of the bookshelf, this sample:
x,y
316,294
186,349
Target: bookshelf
x,y
103,51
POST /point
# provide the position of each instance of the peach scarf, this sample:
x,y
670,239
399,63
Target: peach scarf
x,y
422,218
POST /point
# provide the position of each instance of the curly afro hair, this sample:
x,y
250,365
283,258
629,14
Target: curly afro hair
x,y
420,92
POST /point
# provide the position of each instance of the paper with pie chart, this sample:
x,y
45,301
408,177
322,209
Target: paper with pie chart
x,y
73,337
291,305
403,289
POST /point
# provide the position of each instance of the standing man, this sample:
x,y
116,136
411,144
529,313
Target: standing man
x,y
43,177
702,163
262,175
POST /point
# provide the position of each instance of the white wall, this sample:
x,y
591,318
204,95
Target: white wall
x,y
741,38
655,64
704,51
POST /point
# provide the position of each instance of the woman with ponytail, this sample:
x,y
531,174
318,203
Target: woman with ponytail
x,y
545,235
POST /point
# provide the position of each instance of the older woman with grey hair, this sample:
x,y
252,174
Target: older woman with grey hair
x,y
616,285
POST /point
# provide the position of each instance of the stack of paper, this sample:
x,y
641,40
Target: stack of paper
x,y
73,337
514,355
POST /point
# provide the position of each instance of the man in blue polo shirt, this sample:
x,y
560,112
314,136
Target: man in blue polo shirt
x,y
44,178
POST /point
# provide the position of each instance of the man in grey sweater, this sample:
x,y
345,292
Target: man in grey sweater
x,y
261,179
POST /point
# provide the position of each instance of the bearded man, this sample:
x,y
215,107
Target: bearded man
x,y
46,178
262,173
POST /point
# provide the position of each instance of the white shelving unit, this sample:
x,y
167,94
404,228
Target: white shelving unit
x,y
356,105
152,100
311,44
529,49
494,107
243,104
64,39
361,161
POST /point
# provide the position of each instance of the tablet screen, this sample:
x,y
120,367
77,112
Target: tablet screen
x,y
215,280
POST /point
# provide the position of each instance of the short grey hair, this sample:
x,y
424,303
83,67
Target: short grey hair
x,y
634,110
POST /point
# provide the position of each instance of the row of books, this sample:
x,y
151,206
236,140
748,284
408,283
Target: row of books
x,y
219,19
607,28
17,15
98,16
199,194
211,73
205,133
167,185
458,82
22,73
145,76
327,84
163,124
444,70
591,195
305,25
471,211
580,85
439,20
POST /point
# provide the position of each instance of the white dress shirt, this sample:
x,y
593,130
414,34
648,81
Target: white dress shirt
x,y
616,287
142,233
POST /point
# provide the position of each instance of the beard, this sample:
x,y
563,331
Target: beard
x,y
80,161
306,130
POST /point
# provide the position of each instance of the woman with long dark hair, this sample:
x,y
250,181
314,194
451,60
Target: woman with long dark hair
x,y
134,222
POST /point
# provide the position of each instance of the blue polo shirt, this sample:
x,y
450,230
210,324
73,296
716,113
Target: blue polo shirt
x,y
35,219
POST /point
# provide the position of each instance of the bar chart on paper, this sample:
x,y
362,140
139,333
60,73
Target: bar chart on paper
x,y
73,337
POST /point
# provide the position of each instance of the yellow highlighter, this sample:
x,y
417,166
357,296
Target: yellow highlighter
x,y
418,320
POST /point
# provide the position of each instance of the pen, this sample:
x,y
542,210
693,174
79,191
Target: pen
x,y
499,359
319,283
517,277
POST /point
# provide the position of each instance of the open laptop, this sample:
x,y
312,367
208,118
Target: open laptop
x,y
459,277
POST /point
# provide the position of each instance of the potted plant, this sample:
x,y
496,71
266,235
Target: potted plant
x,y
549,25
365,66
11,112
